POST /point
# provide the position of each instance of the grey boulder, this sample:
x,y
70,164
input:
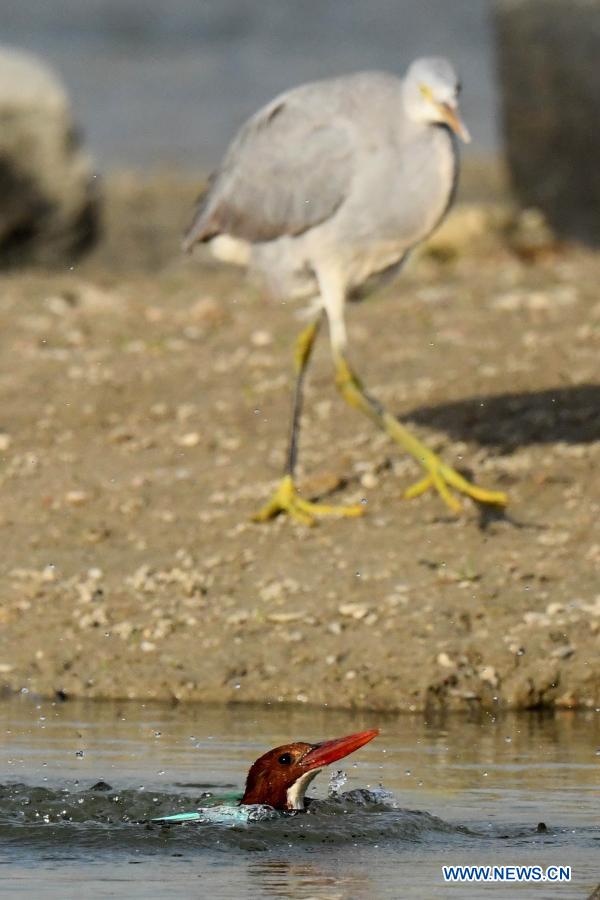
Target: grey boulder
x,y
549,66
48,196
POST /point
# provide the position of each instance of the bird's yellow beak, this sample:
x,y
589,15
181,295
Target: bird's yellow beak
x,y
451,117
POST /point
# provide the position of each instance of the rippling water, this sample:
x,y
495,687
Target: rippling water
x,y
77,779
156,81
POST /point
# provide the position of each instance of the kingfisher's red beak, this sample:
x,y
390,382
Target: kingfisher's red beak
x,y
328,752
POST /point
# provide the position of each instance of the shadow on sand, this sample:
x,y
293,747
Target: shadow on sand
x,y
508,421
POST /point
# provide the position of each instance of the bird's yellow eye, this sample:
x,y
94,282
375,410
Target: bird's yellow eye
x,y
426,92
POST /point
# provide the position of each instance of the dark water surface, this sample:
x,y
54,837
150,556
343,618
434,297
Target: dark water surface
x,y
170,80
459,791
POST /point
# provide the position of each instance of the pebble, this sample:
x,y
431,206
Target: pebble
x,y
489,675
563,652
191,439
261,338
445,661
553,538
353,610
284,617
77,498
369,480
276,589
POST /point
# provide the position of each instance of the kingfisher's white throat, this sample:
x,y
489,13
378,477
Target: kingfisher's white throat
x,y
296,793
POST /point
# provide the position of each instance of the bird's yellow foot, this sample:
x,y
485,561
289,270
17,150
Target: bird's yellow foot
x,y
442,478
287,500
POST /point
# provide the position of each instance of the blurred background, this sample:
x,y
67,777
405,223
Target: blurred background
x,y
158,82
155,87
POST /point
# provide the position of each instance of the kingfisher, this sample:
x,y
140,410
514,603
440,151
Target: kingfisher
x,y
276,783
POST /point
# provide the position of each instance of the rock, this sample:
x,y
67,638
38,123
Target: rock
x,y
49,210
548,61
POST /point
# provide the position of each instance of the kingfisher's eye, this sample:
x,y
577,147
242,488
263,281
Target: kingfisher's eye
x,y
285,759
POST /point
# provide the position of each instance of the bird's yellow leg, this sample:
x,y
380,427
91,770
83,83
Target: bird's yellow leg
x,y
441,477
286,498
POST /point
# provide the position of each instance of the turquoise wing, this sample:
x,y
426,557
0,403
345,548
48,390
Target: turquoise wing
x,y
177,818
219,815
220,802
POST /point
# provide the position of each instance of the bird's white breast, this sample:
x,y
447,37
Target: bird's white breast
x,y
295,794
401,196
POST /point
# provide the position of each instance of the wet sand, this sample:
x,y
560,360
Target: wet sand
x,y
144,404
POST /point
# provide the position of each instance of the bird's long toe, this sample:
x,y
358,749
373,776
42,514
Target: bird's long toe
x,y
442,478
286,500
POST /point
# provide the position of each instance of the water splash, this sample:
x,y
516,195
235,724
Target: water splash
x,y
337,781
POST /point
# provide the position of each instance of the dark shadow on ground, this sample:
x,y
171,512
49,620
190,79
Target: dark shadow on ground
x,y
508,421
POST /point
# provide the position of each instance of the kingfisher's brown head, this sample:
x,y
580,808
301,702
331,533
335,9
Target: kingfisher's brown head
x,y
280,777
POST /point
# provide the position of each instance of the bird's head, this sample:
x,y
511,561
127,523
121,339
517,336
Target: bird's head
x,y
431,90
280,777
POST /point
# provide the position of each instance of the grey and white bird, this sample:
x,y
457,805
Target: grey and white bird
x,y
324,191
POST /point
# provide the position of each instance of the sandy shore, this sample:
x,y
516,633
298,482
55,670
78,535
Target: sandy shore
x,y
144,405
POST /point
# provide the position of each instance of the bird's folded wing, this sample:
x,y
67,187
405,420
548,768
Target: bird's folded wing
x,y
215,815
177,819
288,169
